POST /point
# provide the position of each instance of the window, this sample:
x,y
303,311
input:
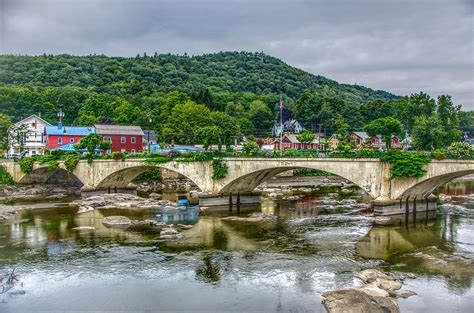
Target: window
x,y
60,140
71,140
123,139
123,150
133,139
133,151
108,139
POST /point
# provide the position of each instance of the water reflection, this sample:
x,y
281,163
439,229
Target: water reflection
x,y
281,262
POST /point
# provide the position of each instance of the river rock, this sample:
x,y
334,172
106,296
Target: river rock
x,y
84,209
6,211
116,221
370,275
405,293
169,234
357,301
155,196
387,284
444,198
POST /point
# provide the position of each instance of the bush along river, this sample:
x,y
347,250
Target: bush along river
x,y
285,255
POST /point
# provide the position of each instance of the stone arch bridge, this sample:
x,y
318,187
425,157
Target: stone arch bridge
x,y
244,174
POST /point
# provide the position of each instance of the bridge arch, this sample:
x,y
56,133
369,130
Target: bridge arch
x,y
425,187
250,181
123,177
45,175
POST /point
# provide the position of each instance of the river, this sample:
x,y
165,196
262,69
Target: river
x,y
279,265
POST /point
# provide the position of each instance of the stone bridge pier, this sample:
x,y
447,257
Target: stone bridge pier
x,y
390,196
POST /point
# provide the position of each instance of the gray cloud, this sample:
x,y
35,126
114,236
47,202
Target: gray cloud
x,y
400,46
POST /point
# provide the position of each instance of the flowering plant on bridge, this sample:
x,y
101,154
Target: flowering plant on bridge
x,y
460,150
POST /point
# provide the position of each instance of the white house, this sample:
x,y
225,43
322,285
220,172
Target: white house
x,y
28,135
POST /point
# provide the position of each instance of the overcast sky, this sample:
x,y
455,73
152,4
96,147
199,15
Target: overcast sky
x,y
397,45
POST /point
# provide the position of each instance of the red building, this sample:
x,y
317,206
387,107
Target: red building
x,y
291,141
62,135
123,138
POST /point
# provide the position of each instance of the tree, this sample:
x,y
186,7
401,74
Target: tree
x,y
450,117
342,135
414,106
185,118
124,113
427,133
92,142
305,136
5,124
228,125
207,135
17,136
386,127
260,115
96,106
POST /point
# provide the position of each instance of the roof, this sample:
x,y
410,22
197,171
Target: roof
x,y
119,130
294,139
362,135
69,130
33,116
70,147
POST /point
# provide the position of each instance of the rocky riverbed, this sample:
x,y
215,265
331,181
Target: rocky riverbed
x,y
119,201
34,192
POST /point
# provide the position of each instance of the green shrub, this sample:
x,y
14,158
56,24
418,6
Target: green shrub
x,y
58,152
407,164
250,148
292,152
70,162
53,165
219,169
439,154
118,156
26,164
5,177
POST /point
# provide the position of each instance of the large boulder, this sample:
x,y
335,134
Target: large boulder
x,y
353,300
116,221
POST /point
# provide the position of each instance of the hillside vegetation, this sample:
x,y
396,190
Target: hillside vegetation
x,y
226,93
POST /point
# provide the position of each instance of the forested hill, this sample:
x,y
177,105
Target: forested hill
x,y
220,72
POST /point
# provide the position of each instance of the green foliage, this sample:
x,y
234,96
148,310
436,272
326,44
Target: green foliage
x,y
460,150
386,127
219,169
70,162
26,164
407,164
158,159
91,142
5,124
5,178
291,152
305,136
53,165
250,148
207,135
